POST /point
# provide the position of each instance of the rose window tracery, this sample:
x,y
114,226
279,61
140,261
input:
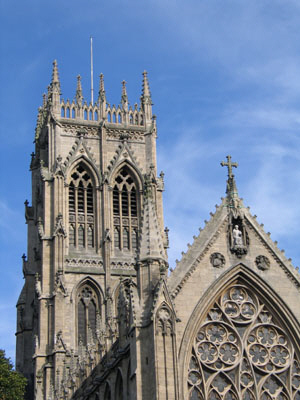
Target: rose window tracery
x,y
241,352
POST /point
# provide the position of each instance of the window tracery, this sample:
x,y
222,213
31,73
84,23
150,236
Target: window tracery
x,y
87,310
81,209
241,352
125,211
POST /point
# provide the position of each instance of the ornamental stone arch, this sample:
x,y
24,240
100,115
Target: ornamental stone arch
x,y
241,342
88,309
133,169
126,204
82,205
82,158
165,353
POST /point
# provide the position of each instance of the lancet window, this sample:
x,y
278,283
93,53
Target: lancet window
x,y
81,209
125,211
242,351
88,314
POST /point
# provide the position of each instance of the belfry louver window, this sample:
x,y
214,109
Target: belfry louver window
x,y
125,211
81,209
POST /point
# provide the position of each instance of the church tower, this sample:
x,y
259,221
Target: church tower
x,y
96,199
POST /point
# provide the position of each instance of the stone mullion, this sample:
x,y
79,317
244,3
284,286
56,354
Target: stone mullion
x,y
86,315
85,217
121,219
96,217
129,219
76,216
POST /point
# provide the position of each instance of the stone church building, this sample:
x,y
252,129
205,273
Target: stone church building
x,y
100,316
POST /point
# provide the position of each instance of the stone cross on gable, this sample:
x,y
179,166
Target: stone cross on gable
x,y
229,164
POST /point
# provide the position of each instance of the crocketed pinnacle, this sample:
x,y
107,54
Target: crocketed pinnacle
x,y
101,94
55,84
151,242
124,98
146,95
79,96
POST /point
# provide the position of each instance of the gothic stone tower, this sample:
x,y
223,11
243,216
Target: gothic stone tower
x,y
100,318
96,199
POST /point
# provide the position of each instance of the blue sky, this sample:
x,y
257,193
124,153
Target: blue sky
x,y
224,77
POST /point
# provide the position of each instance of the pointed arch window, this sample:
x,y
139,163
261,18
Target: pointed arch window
x,y
88,314
242,351
125,211
81,209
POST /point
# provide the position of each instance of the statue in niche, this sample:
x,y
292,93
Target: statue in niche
x,y
237,236
237,243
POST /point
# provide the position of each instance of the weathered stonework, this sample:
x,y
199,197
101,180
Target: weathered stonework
x,y
99,317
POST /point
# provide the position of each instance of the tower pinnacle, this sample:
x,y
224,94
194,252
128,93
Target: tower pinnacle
x,y
124,98
55,84
102,96
54,89
79,96
146,102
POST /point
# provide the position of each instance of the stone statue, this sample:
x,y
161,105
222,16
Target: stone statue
x,y
38,287
237,236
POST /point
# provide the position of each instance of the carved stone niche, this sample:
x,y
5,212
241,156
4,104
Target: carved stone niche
x,y
238,237
217,260
262,262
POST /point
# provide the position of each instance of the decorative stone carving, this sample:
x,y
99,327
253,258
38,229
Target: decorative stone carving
x,y
59,229
60,283
217,260
38,287
240,352
262,262
238,242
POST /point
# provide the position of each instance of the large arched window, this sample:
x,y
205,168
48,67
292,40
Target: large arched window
x,y
242,351
88,313
125,211
81,209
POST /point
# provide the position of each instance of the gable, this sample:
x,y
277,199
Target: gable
x,y
239,317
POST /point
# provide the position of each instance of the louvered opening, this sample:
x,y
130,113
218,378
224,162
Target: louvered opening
x,y
133,201
89,199
80,198
124,202
116,206
71,197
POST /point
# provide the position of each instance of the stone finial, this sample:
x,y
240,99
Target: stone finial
x,y
54,90
79,96
124,98
55,84
101,94
146,95
234,203
229,164
146,102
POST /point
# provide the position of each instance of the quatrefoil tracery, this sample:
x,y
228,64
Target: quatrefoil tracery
x,y
240,352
